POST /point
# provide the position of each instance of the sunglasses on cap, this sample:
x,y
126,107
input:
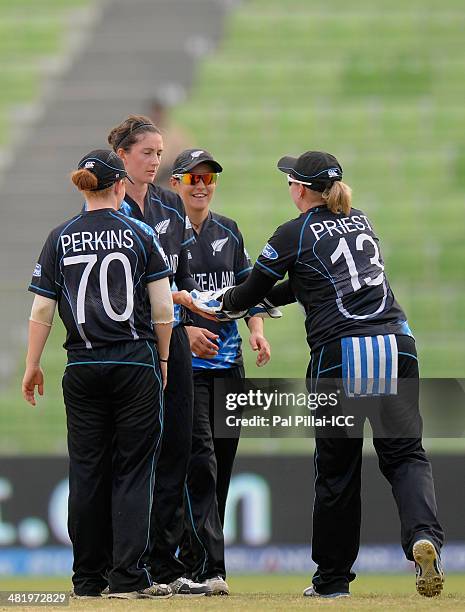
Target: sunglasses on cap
x,y
209,178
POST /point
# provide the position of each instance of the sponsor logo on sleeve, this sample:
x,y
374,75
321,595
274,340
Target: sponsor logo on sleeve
x,y
269,252
217,245
37,270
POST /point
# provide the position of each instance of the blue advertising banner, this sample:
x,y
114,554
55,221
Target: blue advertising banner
x,y
268,517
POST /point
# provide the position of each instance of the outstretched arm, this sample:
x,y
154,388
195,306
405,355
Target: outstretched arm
x,y
250,292
281,294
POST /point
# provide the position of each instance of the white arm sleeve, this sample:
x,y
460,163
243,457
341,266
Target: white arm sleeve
x,y
161,301
43,310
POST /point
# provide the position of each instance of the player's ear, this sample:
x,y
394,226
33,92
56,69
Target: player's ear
x,y
121,153
119,187
174,183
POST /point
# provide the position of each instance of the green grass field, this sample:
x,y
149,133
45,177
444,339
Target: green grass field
x,y
277,593
374,83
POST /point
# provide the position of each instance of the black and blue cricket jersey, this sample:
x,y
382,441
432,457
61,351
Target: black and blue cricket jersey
x,y
336,272
218,259
164,212
96,266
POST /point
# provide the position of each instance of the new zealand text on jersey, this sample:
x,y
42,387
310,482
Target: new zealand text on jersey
x,y
213,281
93,241
173,262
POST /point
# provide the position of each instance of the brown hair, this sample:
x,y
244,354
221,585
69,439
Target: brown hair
x,y
86,181
338,197
127,133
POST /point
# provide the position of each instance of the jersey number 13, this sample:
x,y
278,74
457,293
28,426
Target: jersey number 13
x,y
343,249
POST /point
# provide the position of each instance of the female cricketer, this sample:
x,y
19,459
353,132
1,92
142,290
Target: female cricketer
x,y
359,338
217,259
99,268
138,142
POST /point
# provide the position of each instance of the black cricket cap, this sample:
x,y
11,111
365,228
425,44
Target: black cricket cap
x,y
190,158
314,169
106,166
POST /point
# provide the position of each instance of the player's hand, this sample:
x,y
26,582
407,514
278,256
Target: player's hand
x,y
259,343
200,340
164,373
33,377
184,299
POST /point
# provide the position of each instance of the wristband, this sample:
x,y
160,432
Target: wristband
x,y
164,360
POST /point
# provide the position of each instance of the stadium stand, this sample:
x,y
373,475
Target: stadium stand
x,y
132,51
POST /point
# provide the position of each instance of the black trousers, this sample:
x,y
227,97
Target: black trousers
x,y
171,472
338,460
114,408
209,475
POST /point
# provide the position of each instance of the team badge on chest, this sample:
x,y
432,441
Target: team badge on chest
x,y
217,245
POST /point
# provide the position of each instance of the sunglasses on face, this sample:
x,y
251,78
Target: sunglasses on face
x,y
209,178
291,180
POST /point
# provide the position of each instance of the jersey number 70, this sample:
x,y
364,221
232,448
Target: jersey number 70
x,y
90,261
